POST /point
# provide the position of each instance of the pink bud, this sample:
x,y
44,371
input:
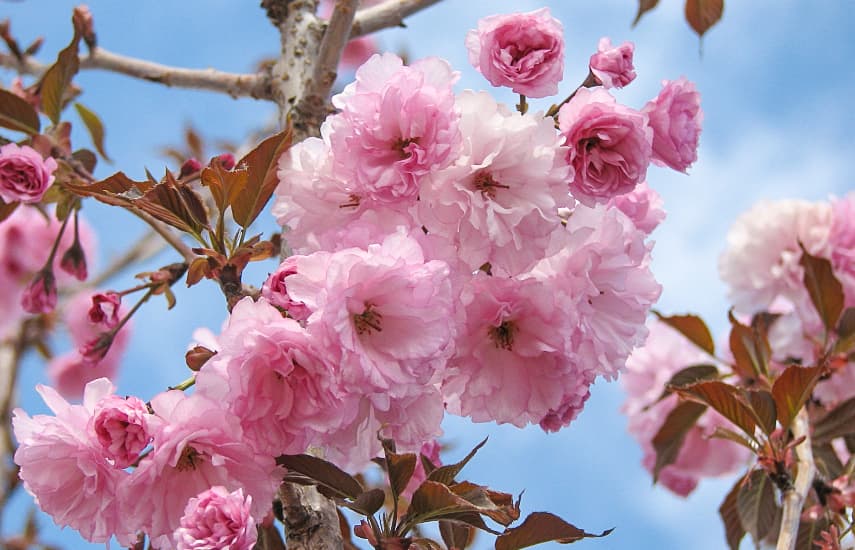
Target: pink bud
x,y
94,350
40,295
73,261
105,309
190,166
227,160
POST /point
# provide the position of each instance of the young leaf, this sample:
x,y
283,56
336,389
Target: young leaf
x,y
261,165
95,127
57,79
703,14
455,534
498,506
827,461
540,527
809,532
368,502
757,505
750,349
400,469
669,438
846,332
225,185
87,158
446,474
824,288
763,405
644,6
839,422
729,512
724,433
725,399
688,376
791,389
16,114
693,328
323,473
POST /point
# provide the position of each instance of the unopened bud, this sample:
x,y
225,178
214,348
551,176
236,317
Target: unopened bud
x,y
105,309
227,160
40,295
84,24
73,261
94,350
198,356
190,166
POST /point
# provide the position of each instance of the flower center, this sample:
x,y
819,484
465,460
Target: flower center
x,y
352,202
367,321
190,457
400,145
503,335
485,183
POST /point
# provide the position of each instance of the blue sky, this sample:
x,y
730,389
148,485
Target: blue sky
x,y
776,79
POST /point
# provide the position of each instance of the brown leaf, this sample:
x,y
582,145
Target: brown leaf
x,y
95,127
455,534
87,158
261,166
846,332
693,328
117,190
400,469
809,531
824,288
703,14
827,461
688,376
725,399
757,504
322,473
729,513
669,439
540,527
792,389
446,474
16,114
765,412
225,185
498,506
730,435
750,350
839,422
55,82
368,502
644,6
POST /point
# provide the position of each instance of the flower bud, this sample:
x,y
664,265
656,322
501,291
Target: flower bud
x,y
73,261
190,166
40,295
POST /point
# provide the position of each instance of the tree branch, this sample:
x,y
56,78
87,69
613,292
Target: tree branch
x,y
390,13
311,520
794,498
312,108
236,85
164,231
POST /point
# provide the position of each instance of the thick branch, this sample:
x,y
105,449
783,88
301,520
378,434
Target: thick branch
x,y
794,499
312,108
390,13
311,520
235,85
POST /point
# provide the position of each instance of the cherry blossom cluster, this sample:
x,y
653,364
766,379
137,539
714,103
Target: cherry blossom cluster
x,y
761,268
448,254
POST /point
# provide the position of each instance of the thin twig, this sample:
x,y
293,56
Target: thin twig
x,y
793,500
235,85
164,231
390,13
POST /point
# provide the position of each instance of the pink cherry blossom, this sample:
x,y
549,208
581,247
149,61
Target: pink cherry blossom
x,y
429,450
609,145
105,309
498,203
197,444
761,261
65,469
523,51
642,205
217,519
24,175
648,369
397,123
841,240
322,210
676,118
275,290
268,373
612,65
513,363
121,428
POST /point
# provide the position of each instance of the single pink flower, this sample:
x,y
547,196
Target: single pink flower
x,y
105,309
430,450
523,51
397,123
65,468
609,145
841,240
120,426
612,65
24,175
217,519
676,118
